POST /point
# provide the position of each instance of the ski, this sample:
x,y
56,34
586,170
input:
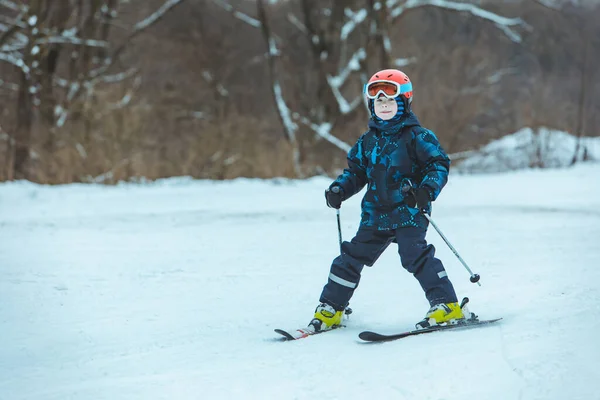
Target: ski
x,y
302,333
378,337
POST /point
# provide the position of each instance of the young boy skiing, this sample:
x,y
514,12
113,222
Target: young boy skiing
x,y
395,154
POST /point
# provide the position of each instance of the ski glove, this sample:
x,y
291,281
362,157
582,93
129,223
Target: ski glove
x,y
419,197
334,196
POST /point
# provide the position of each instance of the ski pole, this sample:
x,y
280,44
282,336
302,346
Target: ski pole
x,y
337,213
408,188
474,277
336,189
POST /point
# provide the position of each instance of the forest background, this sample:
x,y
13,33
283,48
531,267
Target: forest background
x,y
111,90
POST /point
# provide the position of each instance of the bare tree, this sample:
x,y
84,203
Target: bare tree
x,y
583,89
188,97
578,14
340,36
284,114
61,52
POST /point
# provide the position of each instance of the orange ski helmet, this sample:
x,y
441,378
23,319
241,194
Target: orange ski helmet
x,y
391,83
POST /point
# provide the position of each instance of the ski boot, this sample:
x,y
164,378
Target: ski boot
x,y
446,314
326,318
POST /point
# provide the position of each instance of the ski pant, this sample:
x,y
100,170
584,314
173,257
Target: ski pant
x,y
416,255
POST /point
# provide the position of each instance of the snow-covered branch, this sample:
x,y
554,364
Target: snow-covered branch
x,y
11,5
11,32
108,175
506,25
324,131
353,65
336,82
55,40
498,75
119,77
9,85
162,10
126,99
238,14
403,62
11,22
289,125
18,62
354,19
549,4
87,81
75,88
489,81
137,29
71,40
297,23
273,50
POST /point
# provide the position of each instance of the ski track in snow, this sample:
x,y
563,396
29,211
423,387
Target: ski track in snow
x,y
171,290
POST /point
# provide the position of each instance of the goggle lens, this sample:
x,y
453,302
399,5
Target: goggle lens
x,y
388,88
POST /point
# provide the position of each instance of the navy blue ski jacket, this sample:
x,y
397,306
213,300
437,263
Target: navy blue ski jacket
x,y
383,161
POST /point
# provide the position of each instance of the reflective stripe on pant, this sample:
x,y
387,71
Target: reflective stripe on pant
x,y
416,255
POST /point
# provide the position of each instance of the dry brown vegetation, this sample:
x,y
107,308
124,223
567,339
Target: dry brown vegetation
x,y
197,99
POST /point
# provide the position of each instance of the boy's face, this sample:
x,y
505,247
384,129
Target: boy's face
x,y
385,108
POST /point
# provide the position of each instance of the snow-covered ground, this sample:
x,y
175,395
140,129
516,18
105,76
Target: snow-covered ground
x,y
526,148
171,290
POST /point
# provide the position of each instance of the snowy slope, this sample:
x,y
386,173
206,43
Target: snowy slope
x,y
526,148
172,290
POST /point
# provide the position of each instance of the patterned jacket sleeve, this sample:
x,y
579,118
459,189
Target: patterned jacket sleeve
x,y
354,178
434,163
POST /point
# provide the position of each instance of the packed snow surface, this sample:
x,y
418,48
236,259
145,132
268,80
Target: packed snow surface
x,y
171,290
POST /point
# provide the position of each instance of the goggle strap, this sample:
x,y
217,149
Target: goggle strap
x,y
404,88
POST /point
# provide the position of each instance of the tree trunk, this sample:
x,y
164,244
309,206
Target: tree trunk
x,y
10,157
582,93
381,34
10,161
23,131
277,90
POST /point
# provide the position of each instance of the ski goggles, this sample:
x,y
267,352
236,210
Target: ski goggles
x,y
389,89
